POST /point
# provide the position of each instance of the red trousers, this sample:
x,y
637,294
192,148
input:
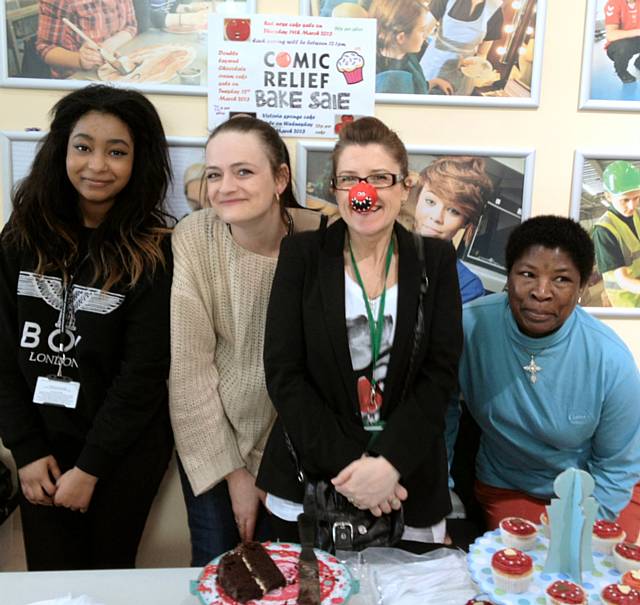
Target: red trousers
x,y
498,503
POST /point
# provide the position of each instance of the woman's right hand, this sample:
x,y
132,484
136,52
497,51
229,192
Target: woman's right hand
x,y
393,502
35,480
89,57
245,501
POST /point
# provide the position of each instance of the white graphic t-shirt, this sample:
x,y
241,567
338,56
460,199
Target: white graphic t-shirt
x,y
359,337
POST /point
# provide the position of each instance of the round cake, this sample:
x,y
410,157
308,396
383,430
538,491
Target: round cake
x,y
632,578
620,594
512,570
336,584
479,602
518,533
563,592
626,556
605,535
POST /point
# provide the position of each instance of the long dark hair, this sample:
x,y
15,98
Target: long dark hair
x,y
274,147
46,218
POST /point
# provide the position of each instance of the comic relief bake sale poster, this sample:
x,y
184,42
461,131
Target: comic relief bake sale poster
x,y
303,75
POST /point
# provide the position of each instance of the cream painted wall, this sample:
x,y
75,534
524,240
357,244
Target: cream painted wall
x,y
555,130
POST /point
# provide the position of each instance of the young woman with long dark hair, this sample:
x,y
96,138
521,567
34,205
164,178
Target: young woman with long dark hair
x,y
85,274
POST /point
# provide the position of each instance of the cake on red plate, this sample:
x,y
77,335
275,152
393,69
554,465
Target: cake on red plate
x,y
248,572
632,578
512,570
563,592
620,594
605,535
626,556
518,533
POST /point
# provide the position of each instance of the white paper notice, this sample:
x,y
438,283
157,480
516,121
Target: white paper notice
x,y
303,75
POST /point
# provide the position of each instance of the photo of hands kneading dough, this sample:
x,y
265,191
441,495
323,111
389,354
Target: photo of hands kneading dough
x,y
131,41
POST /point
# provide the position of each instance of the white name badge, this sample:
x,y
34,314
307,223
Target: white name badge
x,y
56,390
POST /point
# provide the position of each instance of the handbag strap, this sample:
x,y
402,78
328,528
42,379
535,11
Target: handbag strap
x,y
418,332
292,451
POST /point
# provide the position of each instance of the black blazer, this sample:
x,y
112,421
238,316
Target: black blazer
x,y
311,381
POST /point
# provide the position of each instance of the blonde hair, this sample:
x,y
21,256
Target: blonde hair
x,y
461,180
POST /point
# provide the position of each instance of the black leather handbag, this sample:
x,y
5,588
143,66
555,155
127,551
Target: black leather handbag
x,y
339,524
342,526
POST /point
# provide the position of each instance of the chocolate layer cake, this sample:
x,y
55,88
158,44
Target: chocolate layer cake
x,y
248,572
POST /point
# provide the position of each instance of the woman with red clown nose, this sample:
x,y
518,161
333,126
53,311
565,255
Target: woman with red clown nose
x,y
362,344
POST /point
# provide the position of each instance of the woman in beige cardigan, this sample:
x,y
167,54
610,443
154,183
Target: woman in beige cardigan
x,y
225,258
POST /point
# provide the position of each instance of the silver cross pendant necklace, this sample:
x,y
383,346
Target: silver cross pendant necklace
x,y
532,368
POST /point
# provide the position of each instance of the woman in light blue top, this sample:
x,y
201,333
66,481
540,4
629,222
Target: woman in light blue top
x,y
550,386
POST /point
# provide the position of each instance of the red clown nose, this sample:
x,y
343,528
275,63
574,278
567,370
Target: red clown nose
x,y
363,197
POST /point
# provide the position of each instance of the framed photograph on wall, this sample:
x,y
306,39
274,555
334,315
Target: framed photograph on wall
x,y
496,198
436,53
157,47
611,56
17,150
606,202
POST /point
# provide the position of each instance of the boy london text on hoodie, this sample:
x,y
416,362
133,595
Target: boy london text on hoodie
x,y
116,345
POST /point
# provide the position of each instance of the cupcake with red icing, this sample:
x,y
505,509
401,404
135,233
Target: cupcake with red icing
x,y
620,594
479,602
626,556
605,535
518,533
564,592
512,570
632,578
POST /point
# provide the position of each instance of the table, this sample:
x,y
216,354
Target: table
x,y
111,587
156,36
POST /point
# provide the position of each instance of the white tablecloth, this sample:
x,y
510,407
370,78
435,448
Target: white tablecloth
x,y
111,587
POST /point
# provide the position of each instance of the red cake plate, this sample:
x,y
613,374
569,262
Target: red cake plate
x,y
336,584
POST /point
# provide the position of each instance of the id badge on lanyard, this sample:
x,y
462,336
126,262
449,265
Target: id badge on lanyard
x,y
56,389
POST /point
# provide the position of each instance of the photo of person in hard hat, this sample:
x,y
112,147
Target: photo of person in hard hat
x,y
616,234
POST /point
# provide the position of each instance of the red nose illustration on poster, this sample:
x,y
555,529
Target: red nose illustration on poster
x,y
298,73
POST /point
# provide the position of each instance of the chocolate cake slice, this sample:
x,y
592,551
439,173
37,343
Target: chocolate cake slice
x,y
248,572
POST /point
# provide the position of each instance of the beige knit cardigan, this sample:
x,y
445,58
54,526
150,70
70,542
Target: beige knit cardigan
x,y
220,410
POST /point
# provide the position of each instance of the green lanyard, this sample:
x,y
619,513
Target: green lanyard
x,y
376,327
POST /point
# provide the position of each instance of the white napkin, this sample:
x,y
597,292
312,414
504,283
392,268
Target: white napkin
x,y
443,581
69,600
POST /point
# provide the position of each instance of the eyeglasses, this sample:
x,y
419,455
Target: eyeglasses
x,y
380,180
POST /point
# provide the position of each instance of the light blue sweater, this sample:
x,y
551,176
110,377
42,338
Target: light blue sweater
x,y
583,411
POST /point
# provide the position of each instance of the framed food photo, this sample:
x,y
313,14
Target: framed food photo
x,y
438,52
156,46
476,214
606,202
187,192
611,56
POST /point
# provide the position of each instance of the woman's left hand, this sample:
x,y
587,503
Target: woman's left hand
x,y
442,84
74,490
368,481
